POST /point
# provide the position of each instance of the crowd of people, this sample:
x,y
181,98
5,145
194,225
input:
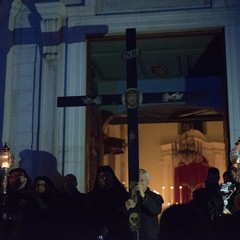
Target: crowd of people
x,y
203,217
37,210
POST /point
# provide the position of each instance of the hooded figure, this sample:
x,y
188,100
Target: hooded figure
x,y
108,205
20,208
45,191
18,180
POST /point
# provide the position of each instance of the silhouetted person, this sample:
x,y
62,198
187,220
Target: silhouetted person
x,y
21,207
228,227
44,191
229,190
73,210
184,222
227,177
108,197
209,199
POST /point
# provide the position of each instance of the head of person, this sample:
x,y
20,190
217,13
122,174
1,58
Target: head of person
x,y
227,177
43,184
70,183
105,177
144,178
235,173
18,179
107,180
213,177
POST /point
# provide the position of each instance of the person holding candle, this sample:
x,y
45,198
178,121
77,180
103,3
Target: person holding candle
x,y
150,207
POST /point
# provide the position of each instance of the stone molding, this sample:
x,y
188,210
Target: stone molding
x,y
53,19
15,8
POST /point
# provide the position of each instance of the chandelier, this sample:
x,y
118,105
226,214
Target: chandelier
x,y
187,148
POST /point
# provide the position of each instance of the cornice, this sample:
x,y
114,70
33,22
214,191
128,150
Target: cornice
x,y
162,21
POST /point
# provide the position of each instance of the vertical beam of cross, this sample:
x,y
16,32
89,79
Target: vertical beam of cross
x,y
132,102
133,151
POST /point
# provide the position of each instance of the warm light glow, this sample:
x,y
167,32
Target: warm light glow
x,y
5,164
6,161
180,194
6,158
187,148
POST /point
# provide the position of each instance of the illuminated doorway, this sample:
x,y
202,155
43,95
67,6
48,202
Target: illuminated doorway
x,y
166,60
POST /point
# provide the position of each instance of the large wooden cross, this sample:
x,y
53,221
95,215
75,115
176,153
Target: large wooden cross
x,y
132,98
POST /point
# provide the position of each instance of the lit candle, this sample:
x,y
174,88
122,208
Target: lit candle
x,y
171,194
180,194
5,164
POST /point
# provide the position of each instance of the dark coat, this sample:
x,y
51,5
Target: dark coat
x,y
108,208
151,207
210,201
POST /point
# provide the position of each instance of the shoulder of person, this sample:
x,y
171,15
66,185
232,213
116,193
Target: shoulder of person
x,y
153,194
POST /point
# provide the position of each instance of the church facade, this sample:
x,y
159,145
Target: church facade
x,y
44,55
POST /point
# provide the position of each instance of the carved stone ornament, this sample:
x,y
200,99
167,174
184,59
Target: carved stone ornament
x,y
132,98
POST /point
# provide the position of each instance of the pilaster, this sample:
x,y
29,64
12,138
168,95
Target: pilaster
x,y
71,121
53,18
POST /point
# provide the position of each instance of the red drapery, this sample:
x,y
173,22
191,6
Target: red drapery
x,y
189,176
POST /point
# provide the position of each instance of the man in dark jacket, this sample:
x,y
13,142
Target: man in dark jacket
x,y
150,207
209,199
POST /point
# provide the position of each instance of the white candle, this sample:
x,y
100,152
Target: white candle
x,y
171,194
180,194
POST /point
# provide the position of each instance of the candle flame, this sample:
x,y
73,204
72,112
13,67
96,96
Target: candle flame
x,y
5,165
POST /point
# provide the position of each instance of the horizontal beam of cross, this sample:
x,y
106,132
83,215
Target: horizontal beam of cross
x,y
147,98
